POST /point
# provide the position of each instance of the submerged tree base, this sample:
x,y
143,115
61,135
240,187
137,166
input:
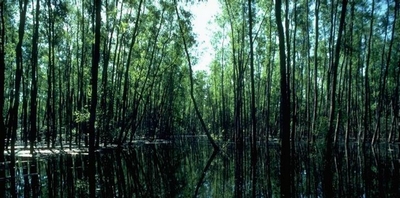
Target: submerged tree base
x,y
42,150
185,168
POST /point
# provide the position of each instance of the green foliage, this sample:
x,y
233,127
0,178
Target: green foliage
x,y
82,116
157,84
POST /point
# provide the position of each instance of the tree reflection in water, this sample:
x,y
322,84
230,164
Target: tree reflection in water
x,y
187,169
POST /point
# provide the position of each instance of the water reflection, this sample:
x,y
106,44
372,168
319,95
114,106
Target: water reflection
x,y
192,169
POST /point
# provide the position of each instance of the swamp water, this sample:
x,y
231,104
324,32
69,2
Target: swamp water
x,y
191,169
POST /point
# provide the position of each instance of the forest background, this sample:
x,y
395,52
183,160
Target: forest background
x,y
83,73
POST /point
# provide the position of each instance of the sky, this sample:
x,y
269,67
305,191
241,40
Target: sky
x,y
204,13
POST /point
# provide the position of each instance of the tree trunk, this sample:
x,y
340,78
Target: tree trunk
x,y
397,102
93,105
315,108
126,82
2,76
81,84
203,124
367,103
13,121
104,80
382,87
34,89
60,109
253,103
328,175
350,77
24,116
50,102
284,108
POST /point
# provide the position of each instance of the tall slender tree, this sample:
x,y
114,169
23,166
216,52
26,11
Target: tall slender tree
x,y
34,89
13,121
328,176
93,104
196,108
315,108
2,78
384,75
126,72
367,107
284,107
14,104
2,81
253,102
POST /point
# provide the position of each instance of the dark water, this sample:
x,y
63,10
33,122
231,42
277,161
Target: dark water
x,y
192,169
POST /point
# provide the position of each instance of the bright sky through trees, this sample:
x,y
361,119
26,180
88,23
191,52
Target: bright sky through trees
x,y
204,13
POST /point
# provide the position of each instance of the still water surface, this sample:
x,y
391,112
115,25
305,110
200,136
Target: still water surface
x,y
192,169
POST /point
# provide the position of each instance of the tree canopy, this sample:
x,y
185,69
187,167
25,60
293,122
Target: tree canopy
x,y
341,74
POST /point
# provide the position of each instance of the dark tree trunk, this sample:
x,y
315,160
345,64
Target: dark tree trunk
x,y
81,81
126,77
253,104
268,117
367,103
203,124
383,80
349,64
69,99
93,105
328,175
24,116
315,108
60,109
53,81
50,108
285,179
2,76
13,121
397,102
104,80
34,89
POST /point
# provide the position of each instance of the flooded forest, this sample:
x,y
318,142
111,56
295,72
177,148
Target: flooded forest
x,y
108,98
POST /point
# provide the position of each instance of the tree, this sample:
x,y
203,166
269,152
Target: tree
x,y
253,102
34,89
328,187
126,72
2,84
315,108
284,108
384,75
93,105
2,76
367,103
185,45
13,120
51,132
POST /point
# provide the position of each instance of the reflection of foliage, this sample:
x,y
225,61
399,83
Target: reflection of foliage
x,y
82,186
173,170
216,136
